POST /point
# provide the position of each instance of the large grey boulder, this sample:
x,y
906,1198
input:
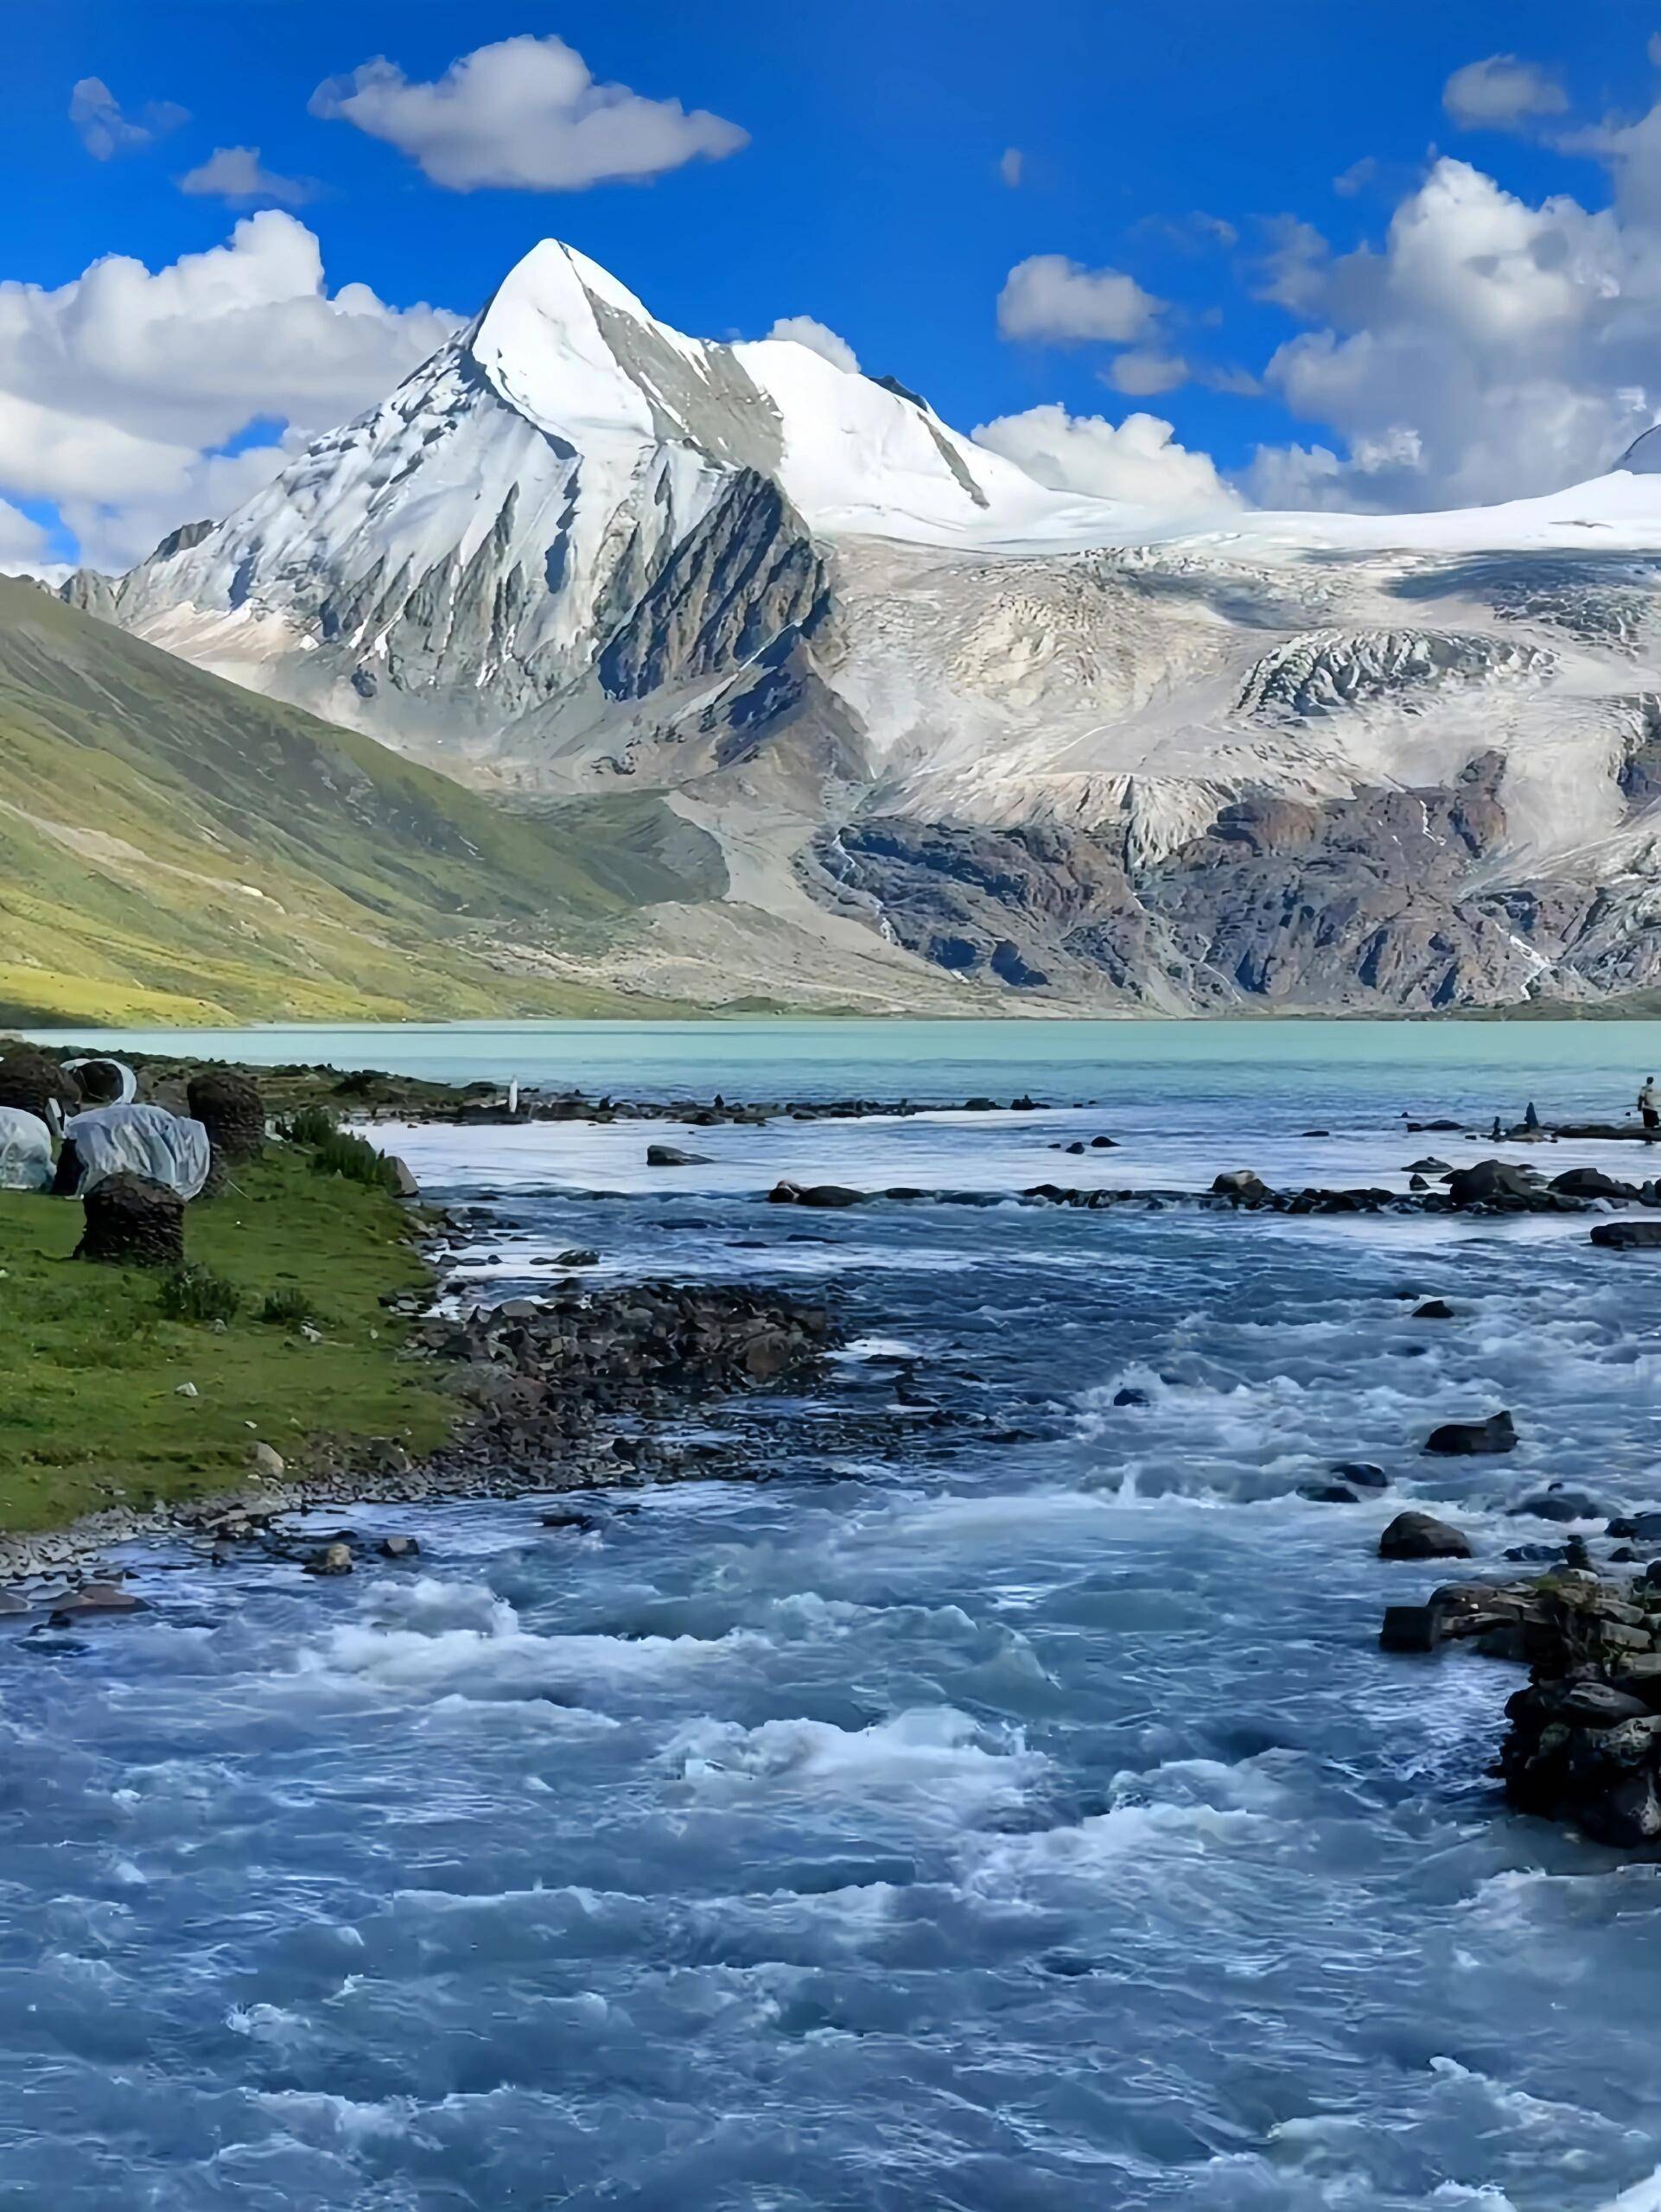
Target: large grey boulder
x,y
1491,1181
1421,1535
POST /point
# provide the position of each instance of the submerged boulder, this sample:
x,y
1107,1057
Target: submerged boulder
x,y
1556,1503
1474,1439
1241,1186
1628,1236
1591,1183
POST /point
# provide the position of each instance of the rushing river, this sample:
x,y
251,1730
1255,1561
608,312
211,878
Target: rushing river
x,y
1005,1806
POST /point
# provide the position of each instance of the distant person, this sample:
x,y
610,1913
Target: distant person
x,y
1649,1105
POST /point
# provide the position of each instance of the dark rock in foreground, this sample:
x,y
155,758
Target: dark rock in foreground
x,y
1628,1236
1421,1535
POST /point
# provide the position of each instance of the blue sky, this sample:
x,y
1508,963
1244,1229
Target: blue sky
x,y
1179,147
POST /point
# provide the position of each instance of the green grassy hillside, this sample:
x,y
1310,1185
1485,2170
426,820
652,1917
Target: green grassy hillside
x,y
175,849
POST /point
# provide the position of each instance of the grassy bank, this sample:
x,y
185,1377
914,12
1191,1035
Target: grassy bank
x,y
90,1409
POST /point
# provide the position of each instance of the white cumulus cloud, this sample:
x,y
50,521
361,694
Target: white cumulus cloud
x,y
119,389
1137,461
818,337
1502,93
1049,297
237,176
525,113
1490,349
1139,375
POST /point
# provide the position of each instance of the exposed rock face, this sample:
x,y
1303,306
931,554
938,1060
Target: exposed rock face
x,y
133,1223
1327,673
1356,902
744,577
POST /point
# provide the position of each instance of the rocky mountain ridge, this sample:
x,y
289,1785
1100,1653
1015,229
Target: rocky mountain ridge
x,y
997,745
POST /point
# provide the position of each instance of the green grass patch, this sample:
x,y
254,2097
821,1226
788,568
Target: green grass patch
x,y
197,1295
91,1357
340,1152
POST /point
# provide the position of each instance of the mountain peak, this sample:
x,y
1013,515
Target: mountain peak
x,y
541,344
1643,456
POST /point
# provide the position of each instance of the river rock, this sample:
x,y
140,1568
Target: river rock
x,y
1628,1236
399,1548
330,1559
133,1222
670,1155
1242,1186
267,1464
1421,1535
1599,1705
1491,1181
1434,1309
1361,1474
1638,1528
1556,1503
1474,1439
1411,1628
1591,1183
97,1597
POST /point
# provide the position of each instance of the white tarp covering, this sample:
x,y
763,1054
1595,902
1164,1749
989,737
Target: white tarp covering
x,y
25,1151
139,1141
124,1076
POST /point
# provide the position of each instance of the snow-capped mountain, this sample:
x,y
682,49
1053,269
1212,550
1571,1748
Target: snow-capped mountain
x,y
949,724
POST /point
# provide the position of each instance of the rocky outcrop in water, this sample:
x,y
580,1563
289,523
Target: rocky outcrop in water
x,y
539,1373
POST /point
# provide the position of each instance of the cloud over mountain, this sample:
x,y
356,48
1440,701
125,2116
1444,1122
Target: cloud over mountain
x,y
525,114
121,390
1137,460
